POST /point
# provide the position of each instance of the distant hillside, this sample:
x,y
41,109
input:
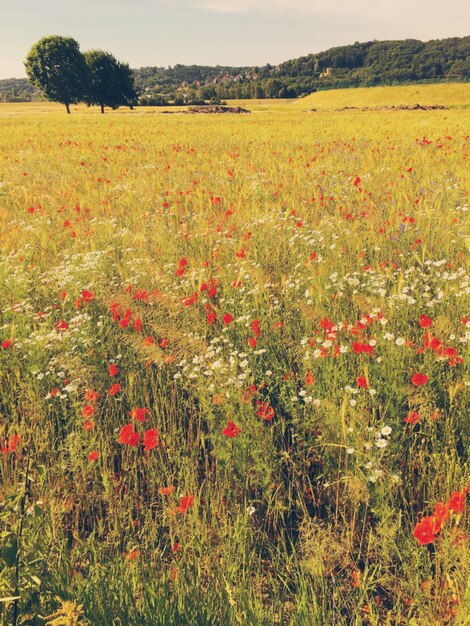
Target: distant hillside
x,y
450,95
356,65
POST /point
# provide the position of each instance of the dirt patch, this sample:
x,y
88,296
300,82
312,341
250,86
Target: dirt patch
x,y
399,107
216,109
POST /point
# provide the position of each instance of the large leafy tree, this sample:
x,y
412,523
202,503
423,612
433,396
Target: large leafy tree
x,y
56,65
111,82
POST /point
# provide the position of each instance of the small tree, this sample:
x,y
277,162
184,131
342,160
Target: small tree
x,y
111,82
56,66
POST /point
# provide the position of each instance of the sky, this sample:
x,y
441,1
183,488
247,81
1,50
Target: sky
x,y
220,32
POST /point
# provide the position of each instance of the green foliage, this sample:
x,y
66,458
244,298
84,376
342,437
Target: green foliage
x,y
111,82
55,65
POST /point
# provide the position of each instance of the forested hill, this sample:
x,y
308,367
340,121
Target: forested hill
x,y
357,65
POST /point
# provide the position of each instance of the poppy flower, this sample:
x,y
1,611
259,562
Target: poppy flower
x,y
12,444
114,389
93,456
138,325
88,410
227,319
419,379
87,296
412,418
441,511
139,414
112,370
457,501
191,300
252,342
231,430
424,531
165,491
7,344
150,439
128,436
62,326
255,328
265,411
425,321
364,348
361,381
185,504
92,396
309,378
88,425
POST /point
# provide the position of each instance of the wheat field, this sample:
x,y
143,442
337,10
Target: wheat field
x,y
233,383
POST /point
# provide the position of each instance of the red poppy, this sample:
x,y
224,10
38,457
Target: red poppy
x,y
309,378
128,436
93,455
441,511
139,414
191,300
255,328
265,411
88,410
361,381
419,379
92,396
138,325
457,501
112,370
62,326
88,425
114,389
12,444
231,430
227,319
87,296
150,439
185,504
365,348
165,491
7,344
412,418
425,321
252,342
424,531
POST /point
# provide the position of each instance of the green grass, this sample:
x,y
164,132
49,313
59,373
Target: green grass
x,y
329,230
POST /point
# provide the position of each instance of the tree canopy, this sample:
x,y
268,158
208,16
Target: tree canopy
x,y
111,83
56,66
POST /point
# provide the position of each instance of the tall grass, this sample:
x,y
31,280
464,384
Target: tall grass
x,y
271,271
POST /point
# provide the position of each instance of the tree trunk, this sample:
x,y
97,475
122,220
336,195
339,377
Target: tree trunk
x,y
67,106
102,108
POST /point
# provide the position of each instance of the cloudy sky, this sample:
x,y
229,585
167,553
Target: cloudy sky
x,y
220,32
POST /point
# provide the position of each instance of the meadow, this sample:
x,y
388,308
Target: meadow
x,y
232,364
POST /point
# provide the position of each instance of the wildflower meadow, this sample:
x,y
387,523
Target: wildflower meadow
x,y
233,384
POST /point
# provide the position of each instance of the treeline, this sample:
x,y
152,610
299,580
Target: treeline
x,y
357,65
56,66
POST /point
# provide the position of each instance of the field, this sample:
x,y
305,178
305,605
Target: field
x,y
232,364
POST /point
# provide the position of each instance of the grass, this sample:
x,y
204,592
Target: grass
x,y
285,272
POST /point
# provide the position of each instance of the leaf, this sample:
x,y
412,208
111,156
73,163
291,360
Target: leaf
x,y
9,598
9,550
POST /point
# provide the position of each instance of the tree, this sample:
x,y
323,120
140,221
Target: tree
x,y
56,66
111,82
